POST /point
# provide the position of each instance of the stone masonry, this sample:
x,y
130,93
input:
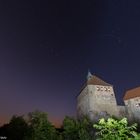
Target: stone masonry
x,y
97,99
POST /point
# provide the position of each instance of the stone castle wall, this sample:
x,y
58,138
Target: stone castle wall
x,y
98,101
133,107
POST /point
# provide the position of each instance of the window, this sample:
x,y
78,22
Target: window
x,y
101,88
98,88
108,89
105,88
138,105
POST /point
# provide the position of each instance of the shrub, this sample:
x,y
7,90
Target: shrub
x,y
112,129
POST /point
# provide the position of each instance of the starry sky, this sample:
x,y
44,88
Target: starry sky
x,y
46,49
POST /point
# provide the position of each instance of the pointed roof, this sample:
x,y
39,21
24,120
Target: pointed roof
x,y
94,80
132,93
89,75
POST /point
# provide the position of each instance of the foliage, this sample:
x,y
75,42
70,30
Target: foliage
x,y
4,130
85,129
37,127
70,128
77,130
42,129
137,137
17,128
112,129
59,135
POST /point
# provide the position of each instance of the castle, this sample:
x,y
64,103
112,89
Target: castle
x,y
97,99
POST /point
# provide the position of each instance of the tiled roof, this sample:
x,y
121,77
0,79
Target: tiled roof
x,y
133,93
94,80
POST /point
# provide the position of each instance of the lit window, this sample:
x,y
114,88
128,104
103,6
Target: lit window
x,y
101,88
98,88
105,88
138,105
108,89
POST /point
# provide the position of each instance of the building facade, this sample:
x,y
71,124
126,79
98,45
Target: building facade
x,y
97,99
132,103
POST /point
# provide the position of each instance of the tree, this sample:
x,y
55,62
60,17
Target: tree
x,y
85,129
42,129
17,128
112,129
77,130
4,130
70,129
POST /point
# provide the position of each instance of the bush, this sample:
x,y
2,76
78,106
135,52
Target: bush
x,y
112,129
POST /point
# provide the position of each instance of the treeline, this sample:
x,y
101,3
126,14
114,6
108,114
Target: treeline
x,y
37,127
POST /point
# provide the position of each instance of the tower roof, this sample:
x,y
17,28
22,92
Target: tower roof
x,y
89,75
94,80
132,93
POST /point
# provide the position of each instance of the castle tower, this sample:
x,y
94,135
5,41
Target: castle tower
x,y
96,99
132,103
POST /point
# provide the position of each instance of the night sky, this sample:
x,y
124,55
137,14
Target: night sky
x,y
46,49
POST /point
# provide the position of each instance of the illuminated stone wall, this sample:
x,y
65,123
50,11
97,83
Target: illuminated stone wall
x,y
98,101
133,108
